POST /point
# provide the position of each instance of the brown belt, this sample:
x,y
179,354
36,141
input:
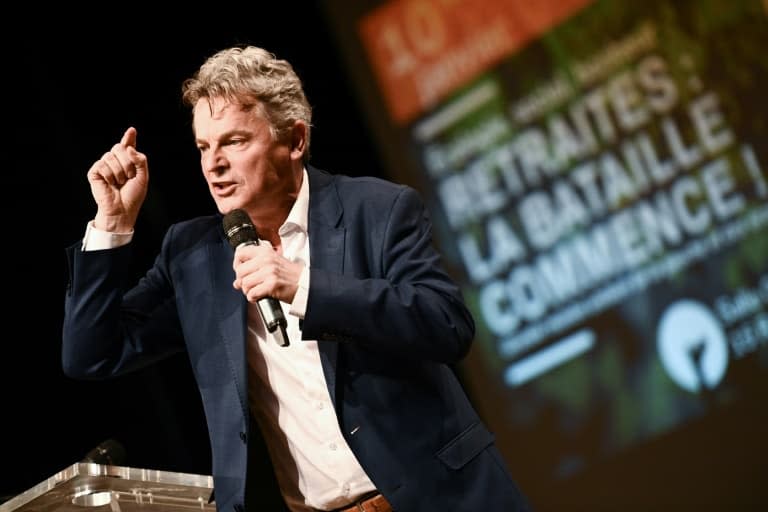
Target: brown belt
x,y
374,503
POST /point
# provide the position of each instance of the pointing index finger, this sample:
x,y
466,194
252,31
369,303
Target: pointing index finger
x,y
129,138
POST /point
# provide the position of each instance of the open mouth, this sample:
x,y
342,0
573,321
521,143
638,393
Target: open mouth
x,y
223,188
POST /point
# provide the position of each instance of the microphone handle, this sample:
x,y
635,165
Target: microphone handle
x,y
274,320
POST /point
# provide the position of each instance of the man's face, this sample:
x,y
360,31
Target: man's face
x,y
243,164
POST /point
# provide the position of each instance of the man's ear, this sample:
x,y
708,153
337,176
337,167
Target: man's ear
x,y
298,139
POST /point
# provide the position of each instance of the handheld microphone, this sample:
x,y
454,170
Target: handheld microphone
x,y
241,231
109,452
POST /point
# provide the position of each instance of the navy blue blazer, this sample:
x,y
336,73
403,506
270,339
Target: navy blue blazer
x,y
389,323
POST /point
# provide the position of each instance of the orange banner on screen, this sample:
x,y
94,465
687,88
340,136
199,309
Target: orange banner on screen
x,y
421,50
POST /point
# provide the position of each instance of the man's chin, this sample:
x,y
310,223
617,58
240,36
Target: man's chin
x,y
226,206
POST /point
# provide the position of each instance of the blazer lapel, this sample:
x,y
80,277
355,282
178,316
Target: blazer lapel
x,y
232,309
326,246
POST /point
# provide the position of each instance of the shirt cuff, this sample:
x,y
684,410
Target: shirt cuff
x,y
299,305
95,239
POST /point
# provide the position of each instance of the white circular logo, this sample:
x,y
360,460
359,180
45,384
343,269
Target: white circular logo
x,y
692,345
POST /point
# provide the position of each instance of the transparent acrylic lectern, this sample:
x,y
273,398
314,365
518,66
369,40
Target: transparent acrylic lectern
x,y
89,487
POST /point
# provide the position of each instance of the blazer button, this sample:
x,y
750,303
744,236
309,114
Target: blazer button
x,y
243,437
239,508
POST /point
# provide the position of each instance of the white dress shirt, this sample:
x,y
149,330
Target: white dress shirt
x,y
288,394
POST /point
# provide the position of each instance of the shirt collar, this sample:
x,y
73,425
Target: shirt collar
x,y
298,217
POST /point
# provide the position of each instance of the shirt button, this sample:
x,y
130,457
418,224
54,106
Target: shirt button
x,y
332,446
319,406
345,488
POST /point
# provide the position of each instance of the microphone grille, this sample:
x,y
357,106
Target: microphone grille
x,y
239,228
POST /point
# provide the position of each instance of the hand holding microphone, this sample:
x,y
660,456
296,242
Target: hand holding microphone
x,y
261,277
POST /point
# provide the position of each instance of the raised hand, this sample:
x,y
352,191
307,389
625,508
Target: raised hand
x,y
119,182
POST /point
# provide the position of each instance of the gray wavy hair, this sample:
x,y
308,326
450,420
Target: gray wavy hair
x,y
253,78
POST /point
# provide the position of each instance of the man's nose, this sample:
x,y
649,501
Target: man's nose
x,y
213,161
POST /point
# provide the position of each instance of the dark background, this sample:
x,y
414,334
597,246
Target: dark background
x,y
73,83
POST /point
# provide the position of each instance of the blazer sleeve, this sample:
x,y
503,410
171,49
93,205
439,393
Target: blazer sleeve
x,y
107,330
